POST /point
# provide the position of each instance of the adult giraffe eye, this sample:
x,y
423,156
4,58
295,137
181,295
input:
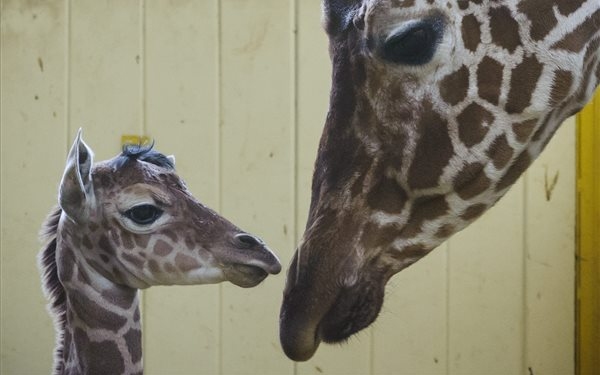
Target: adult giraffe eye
x,y
144,214
416,44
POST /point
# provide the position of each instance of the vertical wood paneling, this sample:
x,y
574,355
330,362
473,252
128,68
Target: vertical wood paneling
x,y
256,171
410,333
485,291
32,145
550,257
104,69
181,92
227,87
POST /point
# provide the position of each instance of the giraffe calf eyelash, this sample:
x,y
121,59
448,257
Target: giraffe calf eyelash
x,y
143,214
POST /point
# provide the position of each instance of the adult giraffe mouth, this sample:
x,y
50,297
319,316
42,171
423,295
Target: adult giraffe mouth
x,y
309,316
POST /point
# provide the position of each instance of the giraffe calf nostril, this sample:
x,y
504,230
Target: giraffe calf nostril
x,y
247,240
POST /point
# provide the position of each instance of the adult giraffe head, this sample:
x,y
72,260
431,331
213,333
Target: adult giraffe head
x,y
436,108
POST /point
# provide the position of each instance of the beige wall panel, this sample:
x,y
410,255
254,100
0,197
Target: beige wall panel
x,y
410,333
485,291
257,171
313,83
550,258
181,324
313,80
227,87
33,151
105,75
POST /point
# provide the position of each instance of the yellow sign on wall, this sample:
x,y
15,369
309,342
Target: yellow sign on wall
x,y
130,139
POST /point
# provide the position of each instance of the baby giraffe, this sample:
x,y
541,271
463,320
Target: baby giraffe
x,y
122,225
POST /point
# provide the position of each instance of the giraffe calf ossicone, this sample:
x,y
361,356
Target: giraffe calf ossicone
x,y
126,224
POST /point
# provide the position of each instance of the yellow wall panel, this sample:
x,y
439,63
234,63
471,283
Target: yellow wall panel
x,y
32,147
485,292
550,257
103,63
257,170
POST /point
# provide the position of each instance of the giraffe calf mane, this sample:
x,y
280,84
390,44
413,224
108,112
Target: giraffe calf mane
x,y
51,285
132,152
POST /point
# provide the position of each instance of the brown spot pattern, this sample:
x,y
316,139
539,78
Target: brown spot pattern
x,y
136,314
504,28
471,124
454,86
127,240
133,259
566,7
524,129
387,196
471,181
161,248
153,266
426,208
170,268
515,170
445,231
471,32
561,86
104,356
169,233
185,263
94,315
433,150
473,212
578,38
133,340
374,236
541,15
500,151
489,79
522,84
189,242
414,251
123,297
141,240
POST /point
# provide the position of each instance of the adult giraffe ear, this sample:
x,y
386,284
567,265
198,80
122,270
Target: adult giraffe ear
x,y
76,190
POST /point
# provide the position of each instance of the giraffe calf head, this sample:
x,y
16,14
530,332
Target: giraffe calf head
x,y
135,223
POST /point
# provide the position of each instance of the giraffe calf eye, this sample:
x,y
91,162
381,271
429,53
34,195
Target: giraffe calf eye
x,y
144,214
414,45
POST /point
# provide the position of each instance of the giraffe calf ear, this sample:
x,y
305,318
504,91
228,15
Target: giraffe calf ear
x,y
76,190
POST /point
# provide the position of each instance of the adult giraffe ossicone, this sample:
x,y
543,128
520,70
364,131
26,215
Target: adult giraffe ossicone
x,y
126,224
436,108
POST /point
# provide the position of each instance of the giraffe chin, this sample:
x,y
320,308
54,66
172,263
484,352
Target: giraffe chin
x,y
353,309
245,276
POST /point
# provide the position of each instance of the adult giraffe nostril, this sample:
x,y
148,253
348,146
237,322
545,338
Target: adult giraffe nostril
x,y
245,240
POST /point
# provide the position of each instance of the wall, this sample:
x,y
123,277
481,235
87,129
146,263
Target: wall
x,y
238,91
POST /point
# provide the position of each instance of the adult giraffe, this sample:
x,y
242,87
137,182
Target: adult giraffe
x,y
436,108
